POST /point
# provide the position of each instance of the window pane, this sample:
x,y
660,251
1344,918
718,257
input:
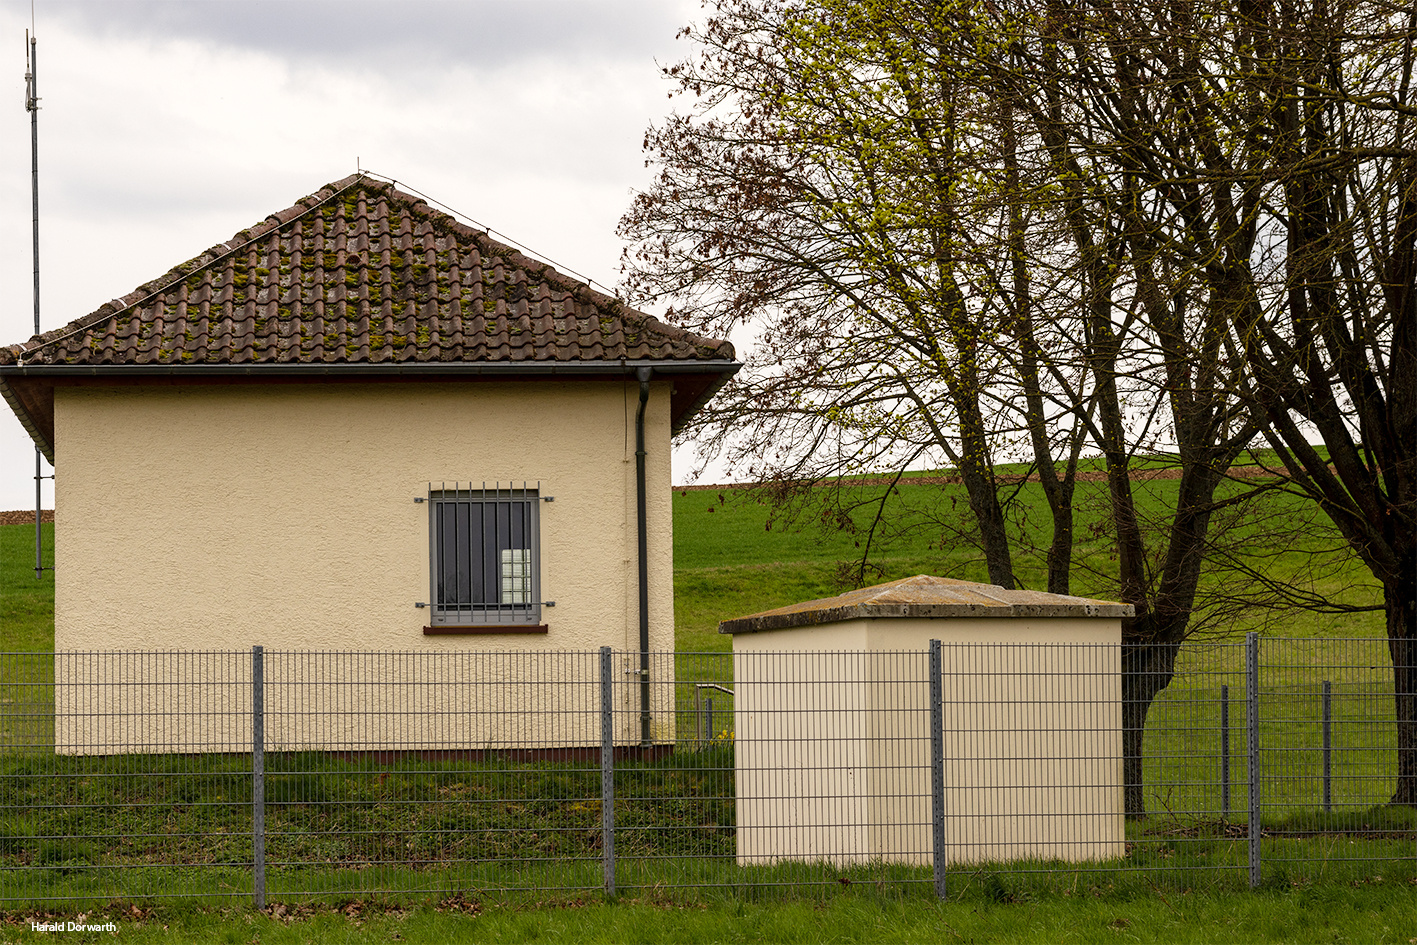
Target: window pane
x,y
516,575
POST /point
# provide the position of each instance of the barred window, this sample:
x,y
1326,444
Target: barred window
x,y
484,548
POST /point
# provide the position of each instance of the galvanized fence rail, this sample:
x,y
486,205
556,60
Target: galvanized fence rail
x,y
265,776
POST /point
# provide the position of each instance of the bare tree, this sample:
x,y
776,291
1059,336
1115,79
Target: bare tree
x,y
1152,227
1269,209
856,227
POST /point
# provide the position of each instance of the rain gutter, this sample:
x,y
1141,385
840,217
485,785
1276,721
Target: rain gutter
x,y
498,368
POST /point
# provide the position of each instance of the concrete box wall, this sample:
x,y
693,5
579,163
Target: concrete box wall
x,y
832,736
215,517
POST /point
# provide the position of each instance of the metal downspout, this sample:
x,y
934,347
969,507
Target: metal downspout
x,y
643,375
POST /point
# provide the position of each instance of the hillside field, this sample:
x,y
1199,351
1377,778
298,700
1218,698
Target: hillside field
x,y
735,553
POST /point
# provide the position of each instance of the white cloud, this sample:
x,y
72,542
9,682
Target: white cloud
x,y
167,127
398,38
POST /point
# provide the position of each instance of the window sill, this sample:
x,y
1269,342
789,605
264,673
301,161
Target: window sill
x,y
482,629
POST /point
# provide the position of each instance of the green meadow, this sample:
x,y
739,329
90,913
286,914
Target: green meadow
x,y
736,552
26,602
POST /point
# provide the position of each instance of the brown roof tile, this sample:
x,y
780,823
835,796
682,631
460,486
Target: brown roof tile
x,y
362,273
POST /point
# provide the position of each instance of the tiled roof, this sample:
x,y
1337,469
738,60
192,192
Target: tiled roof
x,y
362,273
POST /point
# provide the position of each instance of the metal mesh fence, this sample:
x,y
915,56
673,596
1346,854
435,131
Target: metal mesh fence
x,y
416,771
1328,759
283,775
1032,754
125,775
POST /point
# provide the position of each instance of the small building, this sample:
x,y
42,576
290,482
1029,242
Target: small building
x,y
832,720
359,425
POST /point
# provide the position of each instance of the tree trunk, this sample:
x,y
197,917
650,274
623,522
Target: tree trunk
x,y
1060,552
1058,492
1402,646
977,472
1147,669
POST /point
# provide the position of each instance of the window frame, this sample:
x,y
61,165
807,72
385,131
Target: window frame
x,y
484,615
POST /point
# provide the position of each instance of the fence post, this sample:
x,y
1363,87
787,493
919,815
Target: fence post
x,y
258,774
607,773
1252,718
1328,745
699,715
1224,752
937,768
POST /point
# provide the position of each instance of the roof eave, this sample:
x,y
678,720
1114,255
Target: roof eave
x,y
682,409
621,366
22,413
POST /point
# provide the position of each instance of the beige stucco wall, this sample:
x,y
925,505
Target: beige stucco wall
x,y
218,517
802,765
833,744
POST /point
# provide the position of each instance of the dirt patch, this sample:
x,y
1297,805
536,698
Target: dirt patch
x,y
26,517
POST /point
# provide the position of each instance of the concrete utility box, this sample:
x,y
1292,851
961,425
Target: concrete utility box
x,y
832,720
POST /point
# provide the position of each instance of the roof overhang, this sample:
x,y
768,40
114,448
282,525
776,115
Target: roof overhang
x,y
29,388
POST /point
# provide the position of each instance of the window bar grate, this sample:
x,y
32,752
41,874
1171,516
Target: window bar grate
x,y
484,550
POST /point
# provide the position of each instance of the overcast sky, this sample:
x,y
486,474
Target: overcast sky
x,y
166,127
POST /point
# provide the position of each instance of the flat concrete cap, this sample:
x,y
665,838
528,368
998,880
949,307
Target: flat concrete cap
x,y
926,596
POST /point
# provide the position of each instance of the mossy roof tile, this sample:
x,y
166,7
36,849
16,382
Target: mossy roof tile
x,y
360,256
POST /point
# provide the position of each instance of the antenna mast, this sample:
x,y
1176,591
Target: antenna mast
x,y
32,106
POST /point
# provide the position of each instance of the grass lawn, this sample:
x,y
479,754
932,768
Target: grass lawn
x,y
26,602
1372,911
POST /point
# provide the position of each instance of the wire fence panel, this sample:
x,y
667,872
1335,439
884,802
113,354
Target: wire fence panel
x,y
1032,754
261,776
432,772
1328,766
818,772
125,774
1192,826
1195,744
674,795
